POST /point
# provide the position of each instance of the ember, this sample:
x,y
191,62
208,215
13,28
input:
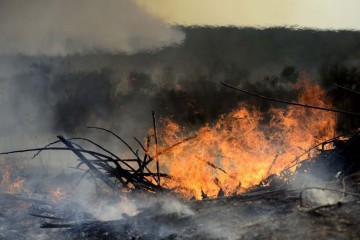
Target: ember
x,y
17,185
7,184
6,173
58,195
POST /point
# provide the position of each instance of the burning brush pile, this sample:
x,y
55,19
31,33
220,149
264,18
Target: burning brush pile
x,y
247,175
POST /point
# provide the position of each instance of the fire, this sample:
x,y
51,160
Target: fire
x,y
239,150
6,184
58,195
6,173
17,185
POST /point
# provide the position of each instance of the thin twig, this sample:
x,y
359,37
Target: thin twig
x,y
211,164
175,145
109,152
312,210
295,161
49,217
53,143
156,147
57,148
142,146
345,88
292,103
97,145
118,137
272,164
122,140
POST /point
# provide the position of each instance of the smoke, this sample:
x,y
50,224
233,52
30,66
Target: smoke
x,y
42,96
114,90
62,27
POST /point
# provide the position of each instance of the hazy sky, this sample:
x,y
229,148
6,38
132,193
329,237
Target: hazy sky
x,y
329,14
60,27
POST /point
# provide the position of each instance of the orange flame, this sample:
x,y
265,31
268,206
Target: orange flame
x,y
239,150
58,195
6,173
6,184
17,186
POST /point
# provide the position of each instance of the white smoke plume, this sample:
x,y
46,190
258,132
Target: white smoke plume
x,y
61,27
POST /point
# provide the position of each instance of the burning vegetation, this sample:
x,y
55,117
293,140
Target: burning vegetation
x,y
225,158
246,155
244,145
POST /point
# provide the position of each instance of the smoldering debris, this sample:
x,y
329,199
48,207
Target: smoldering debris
x,y
262,213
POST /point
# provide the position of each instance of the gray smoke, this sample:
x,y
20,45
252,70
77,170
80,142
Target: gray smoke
x,y
119,91
62,27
